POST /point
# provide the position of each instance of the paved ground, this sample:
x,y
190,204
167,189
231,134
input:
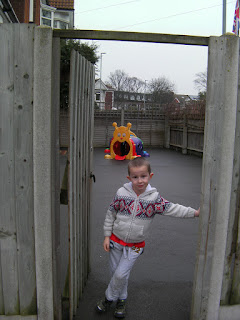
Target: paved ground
x,y
160,286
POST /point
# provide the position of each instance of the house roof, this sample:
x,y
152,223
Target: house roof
x,y
103,86
62,4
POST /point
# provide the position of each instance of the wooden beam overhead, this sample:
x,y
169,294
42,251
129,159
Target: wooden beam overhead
x,y
130,36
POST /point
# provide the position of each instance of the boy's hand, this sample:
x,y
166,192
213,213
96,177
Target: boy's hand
x,y
106,243
197,213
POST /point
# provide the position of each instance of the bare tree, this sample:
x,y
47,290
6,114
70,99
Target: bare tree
x,y
121,81
134,85
201,81
118,79
162,90
201,84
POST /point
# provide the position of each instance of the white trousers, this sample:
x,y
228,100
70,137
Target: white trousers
x,y
121,260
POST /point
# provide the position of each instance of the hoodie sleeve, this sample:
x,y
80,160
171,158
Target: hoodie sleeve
x,y
111,216
179,211
167,208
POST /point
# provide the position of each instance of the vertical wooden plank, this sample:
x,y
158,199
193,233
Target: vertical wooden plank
x,y
233,243
85,212
10,288
81,98
23,127
71,186
81,173
42,168
75,162
77,76
91,134
218,169
83,169
56,179
88,75
79,177
1,286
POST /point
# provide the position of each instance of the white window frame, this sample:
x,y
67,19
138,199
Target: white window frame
x,y
49,9
61,20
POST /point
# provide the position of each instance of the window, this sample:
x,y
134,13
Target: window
x,y
58,24
97,96
47,15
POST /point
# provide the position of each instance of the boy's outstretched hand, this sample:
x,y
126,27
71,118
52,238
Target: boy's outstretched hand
x,y
106,243
197,213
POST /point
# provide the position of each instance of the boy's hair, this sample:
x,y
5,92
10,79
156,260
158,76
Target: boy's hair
x,y
139,162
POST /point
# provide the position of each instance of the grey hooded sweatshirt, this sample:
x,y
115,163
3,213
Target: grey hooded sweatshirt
x,y
129,216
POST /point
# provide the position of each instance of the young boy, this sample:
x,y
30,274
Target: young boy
x,y
127,221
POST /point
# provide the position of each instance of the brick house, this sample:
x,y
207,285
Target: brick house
x,y
104,95
56,14
125,100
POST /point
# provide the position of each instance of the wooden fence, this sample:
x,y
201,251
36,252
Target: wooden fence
x,y
156,128
80,173
29,197
17,259
184,128
30,264
29,234
148,125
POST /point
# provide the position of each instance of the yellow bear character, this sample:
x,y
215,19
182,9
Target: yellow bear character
x,y
121,137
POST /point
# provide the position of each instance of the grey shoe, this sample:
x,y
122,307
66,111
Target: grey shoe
x,y
103,305
120,310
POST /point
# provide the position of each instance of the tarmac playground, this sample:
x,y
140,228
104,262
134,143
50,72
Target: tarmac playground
x,y
160,284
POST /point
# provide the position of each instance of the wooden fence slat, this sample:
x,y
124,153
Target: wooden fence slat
x,y
91,128
217,181
56,179
78,81
1,284
82,171
232,259
23,127
80,195
75,182
79,184
84,213
42,164
7,195
71,185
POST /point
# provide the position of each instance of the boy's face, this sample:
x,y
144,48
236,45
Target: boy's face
x,y
140,177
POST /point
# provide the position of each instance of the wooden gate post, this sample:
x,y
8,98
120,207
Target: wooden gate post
x,y
42,168
167,132
219,170
184,135
122,117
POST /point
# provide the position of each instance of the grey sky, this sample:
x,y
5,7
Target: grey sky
x,y
179,63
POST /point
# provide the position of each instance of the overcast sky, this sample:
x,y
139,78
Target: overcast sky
x,y
178,63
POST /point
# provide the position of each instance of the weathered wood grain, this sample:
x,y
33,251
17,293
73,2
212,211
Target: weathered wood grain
x,y
218,187
23,131
81,109
9,256
131,36
56,178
